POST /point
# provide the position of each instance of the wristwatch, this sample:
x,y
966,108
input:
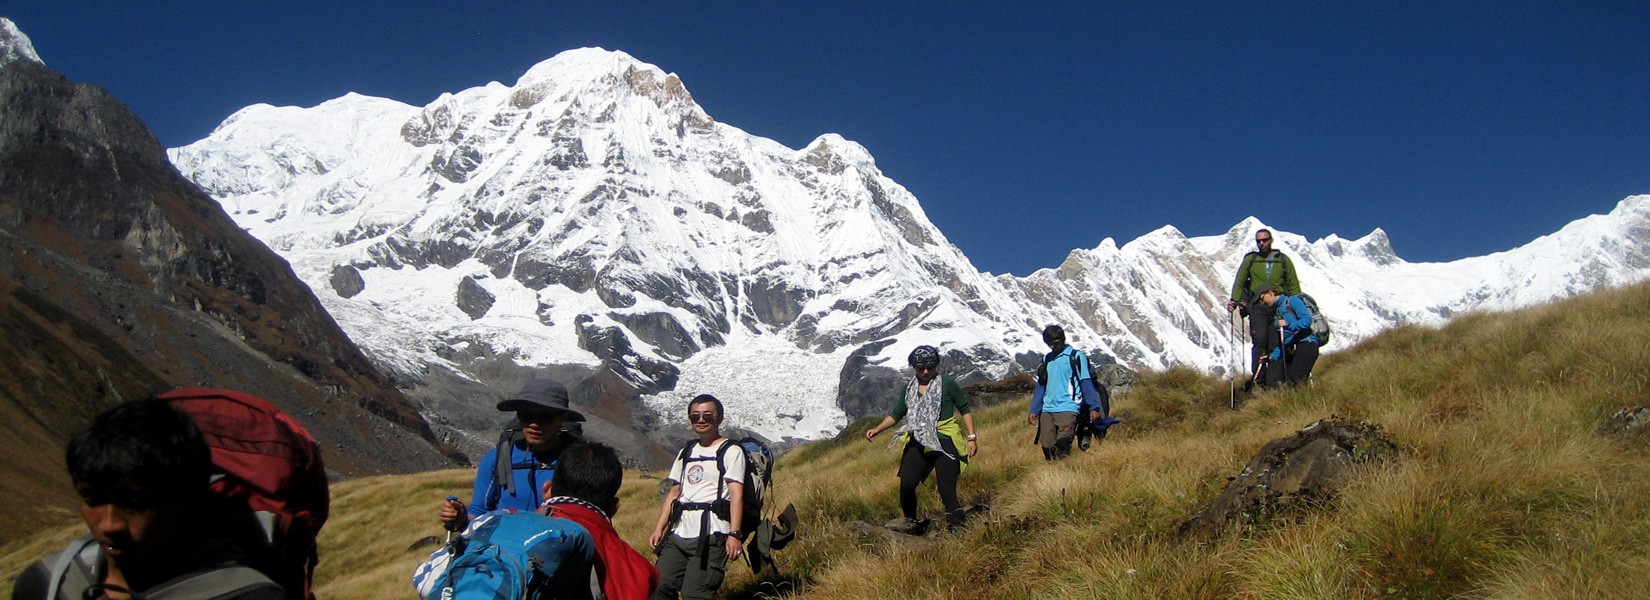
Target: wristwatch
x,y
972,437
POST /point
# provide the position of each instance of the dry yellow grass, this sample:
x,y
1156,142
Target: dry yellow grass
x,y
1503,487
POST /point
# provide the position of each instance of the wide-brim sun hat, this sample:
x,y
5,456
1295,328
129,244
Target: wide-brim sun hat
x,y
541,394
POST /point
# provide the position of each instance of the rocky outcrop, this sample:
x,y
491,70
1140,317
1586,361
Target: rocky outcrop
x,y
1630,424
1290,474
346,281
122,278
473,299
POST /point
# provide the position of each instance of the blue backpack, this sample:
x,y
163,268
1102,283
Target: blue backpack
x,y
509,555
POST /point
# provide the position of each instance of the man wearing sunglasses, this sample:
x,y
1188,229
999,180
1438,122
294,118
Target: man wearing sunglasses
x,y
1264,266
513,474
700,511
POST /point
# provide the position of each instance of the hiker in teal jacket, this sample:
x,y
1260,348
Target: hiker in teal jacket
x,y
1264,266
1063,400
1298,351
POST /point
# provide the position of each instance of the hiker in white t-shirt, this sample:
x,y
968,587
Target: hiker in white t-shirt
x,y
703,532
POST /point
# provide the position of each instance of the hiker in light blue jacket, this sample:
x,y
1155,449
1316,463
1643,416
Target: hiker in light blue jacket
x,y
1062,393
1299,350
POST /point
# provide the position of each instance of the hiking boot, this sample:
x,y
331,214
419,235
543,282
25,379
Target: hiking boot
x,y
903,525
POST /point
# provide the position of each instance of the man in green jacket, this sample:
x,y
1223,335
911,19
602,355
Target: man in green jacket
x,y
1264,266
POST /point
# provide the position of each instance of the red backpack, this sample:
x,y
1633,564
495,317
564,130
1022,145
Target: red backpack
x,y
271,463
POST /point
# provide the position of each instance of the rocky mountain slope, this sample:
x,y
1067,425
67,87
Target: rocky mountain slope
x,y
119,278
594,221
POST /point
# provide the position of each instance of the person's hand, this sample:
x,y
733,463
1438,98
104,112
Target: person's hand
x,y
654,538
973,448
871,433
452,514
1282,323
1231,305
1031,419
1094,415
734,547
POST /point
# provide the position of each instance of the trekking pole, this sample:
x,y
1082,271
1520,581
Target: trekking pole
x,y
1231,381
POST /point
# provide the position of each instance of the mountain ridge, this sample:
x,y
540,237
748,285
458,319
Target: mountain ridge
x,y
121,279
594,218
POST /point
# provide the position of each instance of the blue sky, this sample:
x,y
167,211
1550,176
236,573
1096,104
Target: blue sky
x,y
1460,128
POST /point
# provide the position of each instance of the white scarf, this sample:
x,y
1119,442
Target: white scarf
x,y
922,415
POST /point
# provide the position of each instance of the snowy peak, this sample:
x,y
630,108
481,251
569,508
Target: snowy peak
x,y
592,218
15,46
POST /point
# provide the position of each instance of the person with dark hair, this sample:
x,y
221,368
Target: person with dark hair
x,y
1065,387
143,471
937,423
1264,266
585,490
699,511
512,475
1298,350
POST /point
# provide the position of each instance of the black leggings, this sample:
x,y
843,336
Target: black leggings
x,y
914,467
1301,357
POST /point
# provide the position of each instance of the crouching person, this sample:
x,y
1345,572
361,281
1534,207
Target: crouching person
x,y
693,554
585,490
155,529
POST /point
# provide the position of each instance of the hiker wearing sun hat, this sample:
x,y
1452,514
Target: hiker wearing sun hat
x,y
531,448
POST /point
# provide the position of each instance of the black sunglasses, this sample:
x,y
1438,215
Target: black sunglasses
x,y
702,417
536,416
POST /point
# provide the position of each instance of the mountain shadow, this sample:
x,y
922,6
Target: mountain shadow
x,y
119,278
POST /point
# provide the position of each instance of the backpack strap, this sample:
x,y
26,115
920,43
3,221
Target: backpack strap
x,y
223,582
1076,380
504,461
83,553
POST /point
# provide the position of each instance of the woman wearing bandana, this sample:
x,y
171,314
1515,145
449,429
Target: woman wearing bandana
x,y
936,417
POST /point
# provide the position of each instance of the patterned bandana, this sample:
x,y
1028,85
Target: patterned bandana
x,y
922,416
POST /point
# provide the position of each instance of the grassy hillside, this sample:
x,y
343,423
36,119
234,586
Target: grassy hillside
x,y
1504,487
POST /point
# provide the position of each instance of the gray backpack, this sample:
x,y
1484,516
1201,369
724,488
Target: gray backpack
x,y
1320,325
74,569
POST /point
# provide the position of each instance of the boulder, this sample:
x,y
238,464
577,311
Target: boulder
x,y
1292,473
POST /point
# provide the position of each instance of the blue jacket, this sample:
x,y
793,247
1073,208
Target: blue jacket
x,y
530,474
1297,321
1054,393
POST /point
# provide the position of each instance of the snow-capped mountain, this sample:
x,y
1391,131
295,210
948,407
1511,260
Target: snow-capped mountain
x,y
14,45
593,220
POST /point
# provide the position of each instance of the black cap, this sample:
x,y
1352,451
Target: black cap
x,y
924,356
541,394
1266,287
1053,333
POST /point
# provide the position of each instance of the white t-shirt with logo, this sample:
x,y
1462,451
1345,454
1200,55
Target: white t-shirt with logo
x,y
698,479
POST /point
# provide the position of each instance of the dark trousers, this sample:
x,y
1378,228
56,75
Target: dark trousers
x,y
914,466
679,570
1298,361
1263,337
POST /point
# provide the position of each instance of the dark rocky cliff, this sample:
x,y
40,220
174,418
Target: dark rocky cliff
x,y
119,278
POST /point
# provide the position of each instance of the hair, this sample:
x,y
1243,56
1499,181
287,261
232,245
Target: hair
x,y
1268,232
1053,333
145,444
703,398
590,472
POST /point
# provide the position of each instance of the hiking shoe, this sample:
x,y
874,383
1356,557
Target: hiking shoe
x,y
903,525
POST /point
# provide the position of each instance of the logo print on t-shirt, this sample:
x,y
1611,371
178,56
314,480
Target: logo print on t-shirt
x,y
695,474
